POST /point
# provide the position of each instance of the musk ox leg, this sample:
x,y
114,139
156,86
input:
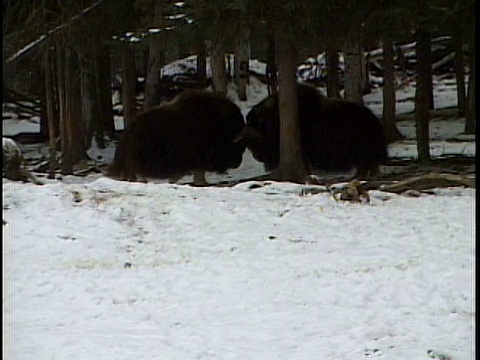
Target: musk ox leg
x,y
130,168
174,178
367,173
199,178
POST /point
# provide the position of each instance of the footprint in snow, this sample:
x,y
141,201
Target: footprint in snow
x,y
437,355
373,353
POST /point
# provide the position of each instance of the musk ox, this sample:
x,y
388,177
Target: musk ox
x,y
336,135
193,133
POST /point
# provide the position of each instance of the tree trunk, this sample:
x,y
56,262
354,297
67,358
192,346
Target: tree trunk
x,y
128,85
38,90
87,86
333,80
66,167
73,106
145,57
428,75
152,80
104,86
271,70
201,62
422,96
228,58
364,68
291,166
460,75
402,62
219,74
155,61
353,72
89,92
470,109
242,57
389,96
50,113
44,124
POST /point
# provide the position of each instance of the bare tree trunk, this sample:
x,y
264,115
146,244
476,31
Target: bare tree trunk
x,y
271,71
95,94
73,123
333,80
292,164
104,86
89,94
219,74
155,62
428,75
353,72
145,57
228,58
201,62
422,96
68,158
50,114
242,57
460,75
364,68
470,123
128,85
66,167
389,96
152,80
44,124
38,89
402,62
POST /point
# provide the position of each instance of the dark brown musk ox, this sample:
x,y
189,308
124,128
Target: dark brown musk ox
x,y
193,133
336,135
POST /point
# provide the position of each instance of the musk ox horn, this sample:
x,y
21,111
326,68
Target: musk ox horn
x,y
247,133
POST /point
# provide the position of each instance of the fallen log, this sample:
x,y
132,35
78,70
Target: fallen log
x,y
429,181
356,191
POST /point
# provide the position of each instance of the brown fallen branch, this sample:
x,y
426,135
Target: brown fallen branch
x,y
422,183
87,171
356,191
404,82
10,94
31,110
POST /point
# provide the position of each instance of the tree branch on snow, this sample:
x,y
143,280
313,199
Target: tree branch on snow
x,y
355,191
429,181
422,183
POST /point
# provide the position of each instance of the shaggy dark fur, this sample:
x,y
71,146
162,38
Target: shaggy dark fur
x,y
336,135
194,132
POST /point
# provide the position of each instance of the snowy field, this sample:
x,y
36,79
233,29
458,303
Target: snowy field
x,y
95,268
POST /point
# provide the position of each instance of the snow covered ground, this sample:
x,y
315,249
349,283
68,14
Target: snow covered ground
x,y
95,268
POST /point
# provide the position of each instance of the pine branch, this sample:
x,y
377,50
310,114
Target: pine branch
x,y
56,29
